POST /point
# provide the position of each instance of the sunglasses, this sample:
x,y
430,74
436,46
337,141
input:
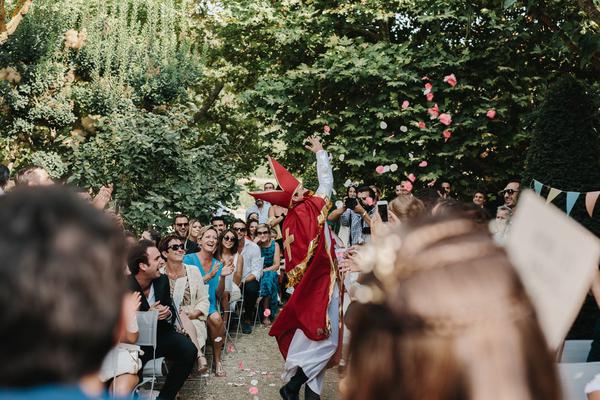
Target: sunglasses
x,y
229,238
239,229
262,232
176,247
183,224
508,191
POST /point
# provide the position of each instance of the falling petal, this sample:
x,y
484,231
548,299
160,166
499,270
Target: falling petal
x,y
342,157
386,168
347,183
374,152
411,156
403,128
383,125
429,96
254,382
411,177
338,204
423,164
447,134
491,113
241,365
428,86
450,80
267,313
394,167
230,348
326,129
405,104
253,390
422,125
380,169
445,119
369,201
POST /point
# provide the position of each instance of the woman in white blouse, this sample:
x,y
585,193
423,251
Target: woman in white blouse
x,y
189,294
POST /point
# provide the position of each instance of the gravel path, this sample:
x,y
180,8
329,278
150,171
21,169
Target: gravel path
x,y
256,358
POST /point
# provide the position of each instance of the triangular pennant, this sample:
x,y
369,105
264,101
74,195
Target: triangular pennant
x,y
537,186
571,199
552,195
590,201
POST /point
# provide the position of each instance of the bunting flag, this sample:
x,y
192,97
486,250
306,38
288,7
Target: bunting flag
x,y
590,201
537,186
552,195
571,197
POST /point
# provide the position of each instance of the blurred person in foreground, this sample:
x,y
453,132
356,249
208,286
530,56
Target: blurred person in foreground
x,y
63,290
33,176
4,177
444,316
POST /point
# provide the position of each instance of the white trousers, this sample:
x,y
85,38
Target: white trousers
x,y
313,356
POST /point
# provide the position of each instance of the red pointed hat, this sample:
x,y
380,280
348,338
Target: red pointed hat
x,y
286,182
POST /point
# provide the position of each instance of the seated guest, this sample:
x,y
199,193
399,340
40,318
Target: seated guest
x,y
63,293
252,225
451,320
479,199
218,222
270,252
181,225
227,253
193,232
250,252
213,273
145,262
189,294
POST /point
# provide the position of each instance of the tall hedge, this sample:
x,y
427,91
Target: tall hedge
x,y
565,147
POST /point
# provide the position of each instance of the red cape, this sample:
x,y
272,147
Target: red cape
x,y
310,268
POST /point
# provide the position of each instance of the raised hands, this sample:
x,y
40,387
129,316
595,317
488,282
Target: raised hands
x,y
314,144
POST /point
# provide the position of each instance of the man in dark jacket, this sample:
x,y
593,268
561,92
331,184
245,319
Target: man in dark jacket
x,y
145,262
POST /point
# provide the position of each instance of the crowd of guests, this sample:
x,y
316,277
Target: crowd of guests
x,y
72,271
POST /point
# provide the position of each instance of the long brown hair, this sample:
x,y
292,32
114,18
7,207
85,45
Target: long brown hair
x,y
444,316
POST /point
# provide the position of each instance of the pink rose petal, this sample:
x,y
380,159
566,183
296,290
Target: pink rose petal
x,y
253,390
450,80
425,78
491,113
369,201
380,169
433,111
423,164
428,86
408,186
267,313
405,104
326,129
432,183
230,347
429,96
241,365
445,119
422,125
411,177
447,134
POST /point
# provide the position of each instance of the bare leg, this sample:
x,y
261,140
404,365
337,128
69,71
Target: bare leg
x,y
266,303
216,331
225,306
123,385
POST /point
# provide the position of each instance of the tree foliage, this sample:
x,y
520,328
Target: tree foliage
x,y
350,65
565,146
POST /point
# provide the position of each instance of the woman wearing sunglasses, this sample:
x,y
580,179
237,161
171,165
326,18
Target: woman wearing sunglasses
x,y
269,288
227,253
214,273
189,294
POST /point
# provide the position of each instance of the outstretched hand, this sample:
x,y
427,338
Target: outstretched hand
x,y
314,144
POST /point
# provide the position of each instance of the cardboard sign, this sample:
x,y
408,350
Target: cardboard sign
x,y
556,258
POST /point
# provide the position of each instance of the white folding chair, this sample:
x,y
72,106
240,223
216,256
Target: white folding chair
x,y
148,324
575,351
232,310
574,377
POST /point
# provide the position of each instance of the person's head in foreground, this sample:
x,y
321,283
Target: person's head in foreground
x,y
61,286
444,316
34,176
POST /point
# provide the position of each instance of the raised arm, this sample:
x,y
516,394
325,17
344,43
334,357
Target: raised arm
x,y
324,172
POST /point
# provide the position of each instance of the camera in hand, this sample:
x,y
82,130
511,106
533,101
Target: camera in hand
x,y
351,202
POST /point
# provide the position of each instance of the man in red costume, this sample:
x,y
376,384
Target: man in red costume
x,y
307,329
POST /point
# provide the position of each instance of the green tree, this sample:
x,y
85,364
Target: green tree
x,y
565,146
350,65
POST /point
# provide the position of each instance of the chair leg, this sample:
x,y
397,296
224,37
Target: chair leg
x,y
256,312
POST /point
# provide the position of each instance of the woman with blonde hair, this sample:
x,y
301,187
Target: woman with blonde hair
x,y
194,232
443,315
406,207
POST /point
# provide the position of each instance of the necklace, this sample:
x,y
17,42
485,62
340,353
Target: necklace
x,y
176,275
